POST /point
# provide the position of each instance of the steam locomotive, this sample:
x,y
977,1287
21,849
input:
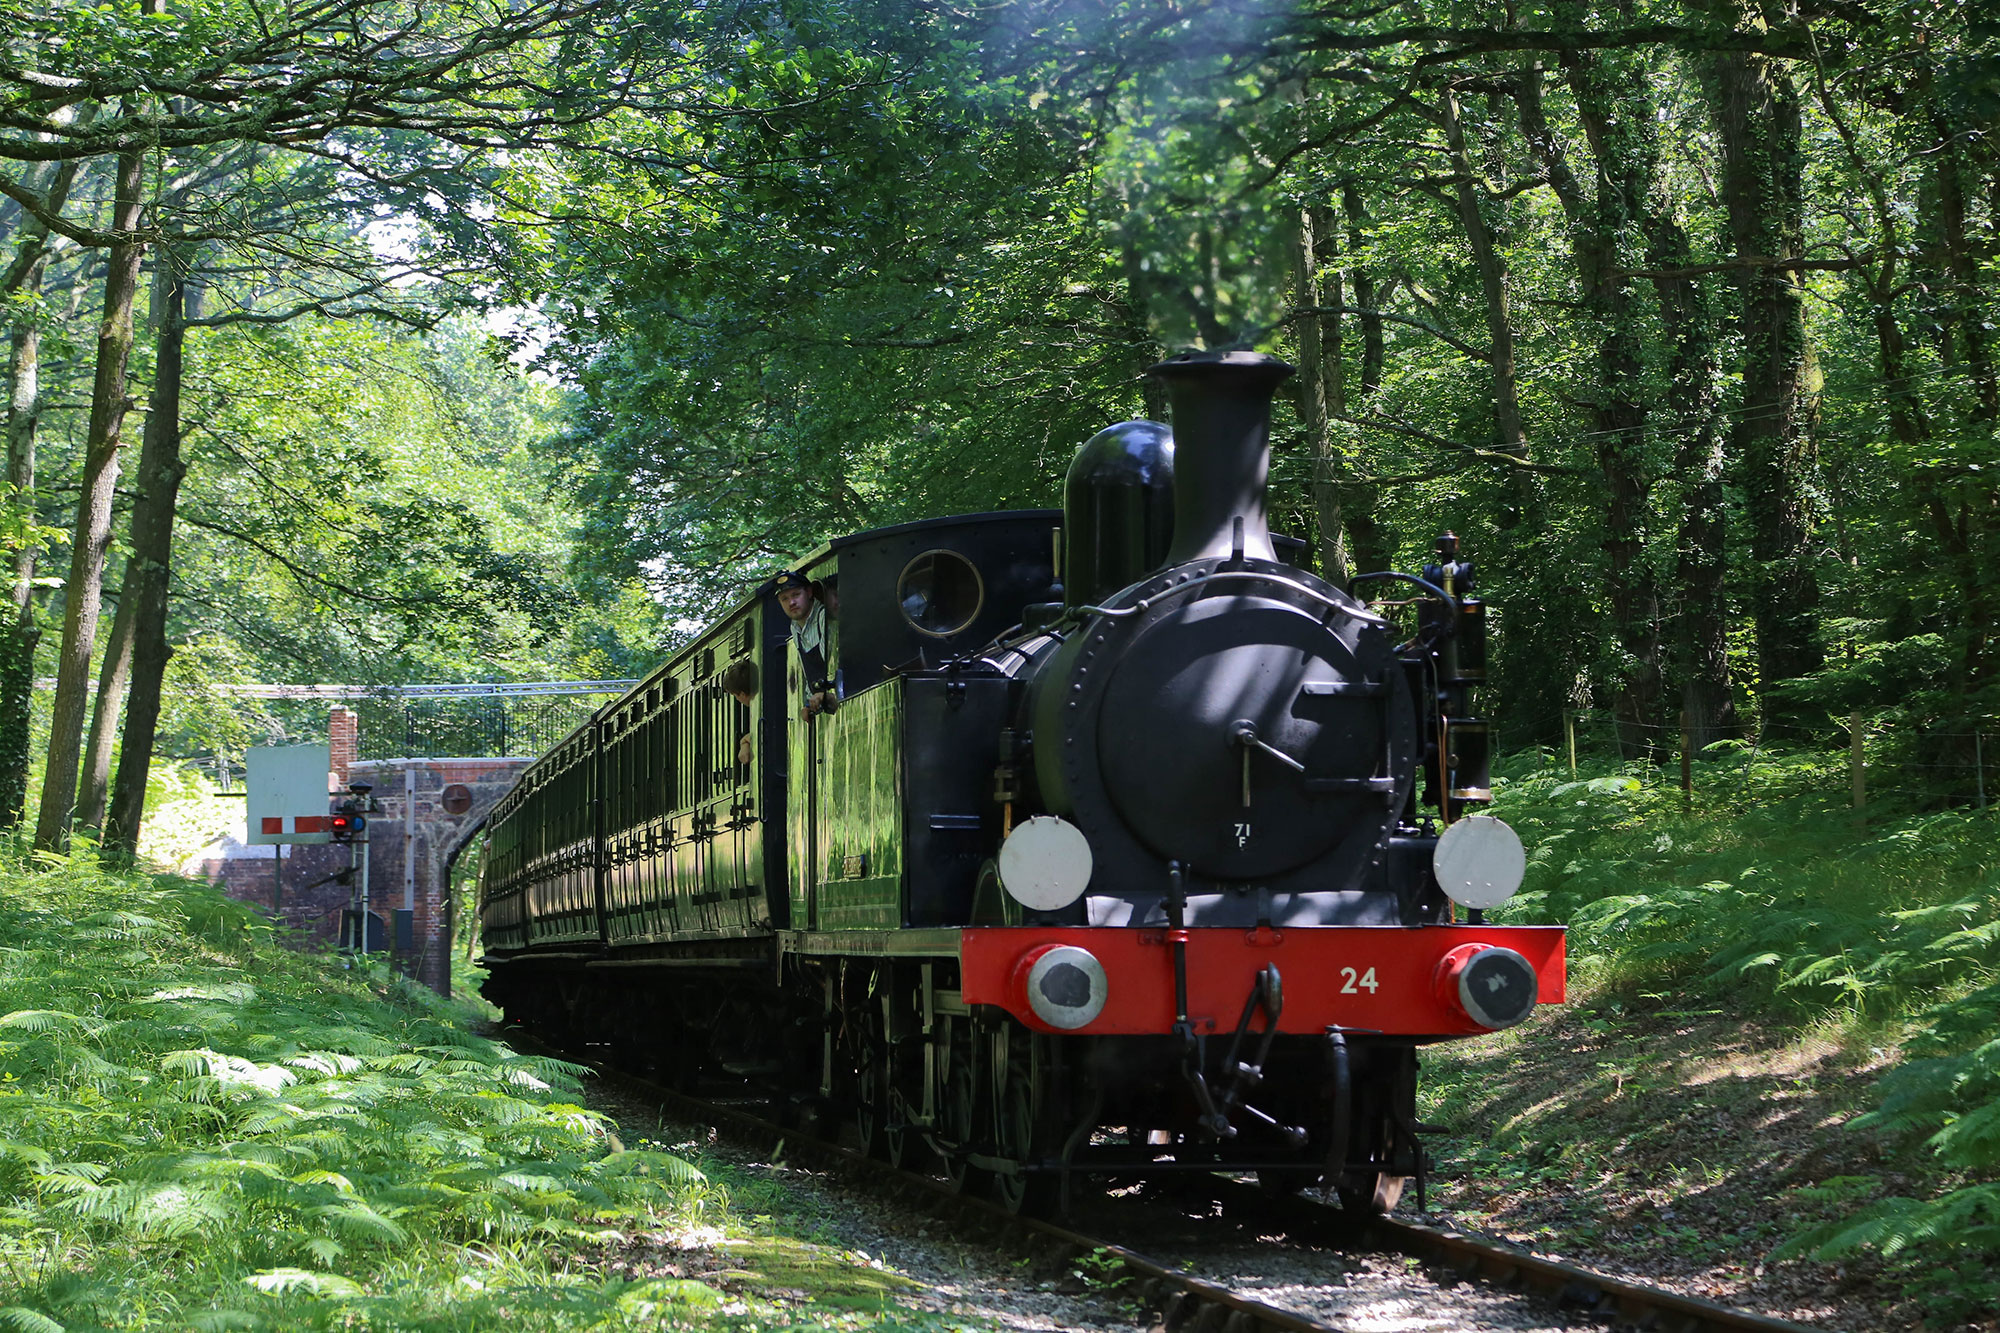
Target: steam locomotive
x,y
1171,865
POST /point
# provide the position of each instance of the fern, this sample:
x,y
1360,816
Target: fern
x,y
189,1133
41,1020
1967,1218
355,1220
20,1319
278,1281
1768,898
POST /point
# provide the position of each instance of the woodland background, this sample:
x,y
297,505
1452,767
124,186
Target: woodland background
x,y
374,341
369,341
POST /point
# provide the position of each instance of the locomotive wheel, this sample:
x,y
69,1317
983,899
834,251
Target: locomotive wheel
x,y
878,1120
909,1146
1018,1116
1373,1191
1378,1193
871,1104
963,1115
797,1084
1019,1191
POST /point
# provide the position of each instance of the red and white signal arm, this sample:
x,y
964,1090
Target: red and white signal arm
x,y
289,800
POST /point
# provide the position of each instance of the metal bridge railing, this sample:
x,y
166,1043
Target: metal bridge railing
x,y
509,719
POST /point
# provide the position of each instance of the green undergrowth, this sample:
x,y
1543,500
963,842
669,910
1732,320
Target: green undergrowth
x,y
202,1129
1771,901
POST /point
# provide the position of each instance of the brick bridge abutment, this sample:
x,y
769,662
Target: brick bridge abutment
x,y
426,809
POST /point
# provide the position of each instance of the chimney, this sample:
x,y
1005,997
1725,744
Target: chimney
x,y
1221,409
343,734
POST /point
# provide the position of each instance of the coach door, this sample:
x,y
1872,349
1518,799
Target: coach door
x,y
734,869
802,795
716,821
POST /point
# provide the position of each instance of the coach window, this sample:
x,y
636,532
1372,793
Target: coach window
x,y
675,767
739,684
706,755
940,593
621,784
658,766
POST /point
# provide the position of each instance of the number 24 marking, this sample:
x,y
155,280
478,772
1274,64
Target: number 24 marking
x,y
1350,985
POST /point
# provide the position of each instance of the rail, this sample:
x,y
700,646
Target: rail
x,y
1186,1302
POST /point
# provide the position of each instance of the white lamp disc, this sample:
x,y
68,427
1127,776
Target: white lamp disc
x,y
1045,863
1479,862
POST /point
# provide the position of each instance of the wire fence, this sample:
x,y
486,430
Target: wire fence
x,y
1873,759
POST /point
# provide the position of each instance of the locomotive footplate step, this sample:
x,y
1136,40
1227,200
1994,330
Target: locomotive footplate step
x,y
1094,1165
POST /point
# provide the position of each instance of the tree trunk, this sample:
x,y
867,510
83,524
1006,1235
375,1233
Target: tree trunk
x,y
19,634
1701,554
92,533
1536,652
1616,118
1313,405
1966,311
1758,116
111,676
1138,307
1368,547
148,571
1963,530
1701,551
1509,435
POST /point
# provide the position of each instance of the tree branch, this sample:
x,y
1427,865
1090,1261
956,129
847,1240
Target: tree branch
x,y
297,571
1300,312
1483,454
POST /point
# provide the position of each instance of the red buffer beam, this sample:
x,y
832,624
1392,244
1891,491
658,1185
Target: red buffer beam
x,y
1391,980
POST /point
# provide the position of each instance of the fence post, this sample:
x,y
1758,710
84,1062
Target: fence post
x,y
1687,765
1856,762
1569,730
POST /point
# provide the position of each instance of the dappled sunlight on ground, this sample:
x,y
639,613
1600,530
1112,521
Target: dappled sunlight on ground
x,y
1680,1146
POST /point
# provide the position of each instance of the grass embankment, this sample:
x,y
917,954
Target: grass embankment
x,y
1782,1039
202,1129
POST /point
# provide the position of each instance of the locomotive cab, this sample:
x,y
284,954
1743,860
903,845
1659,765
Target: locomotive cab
x,y
891,815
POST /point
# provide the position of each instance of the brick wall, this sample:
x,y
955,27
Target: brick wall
x,y
310,903
407,857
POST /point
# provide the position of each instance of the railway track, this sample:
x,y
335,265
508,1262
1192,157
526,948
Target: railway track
x,y
1185,1302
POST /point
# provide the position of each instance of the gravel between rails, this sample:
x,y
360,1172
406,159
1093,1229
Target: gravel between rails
x,y
1365,1292
953,1276
1372,1293
970,1280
